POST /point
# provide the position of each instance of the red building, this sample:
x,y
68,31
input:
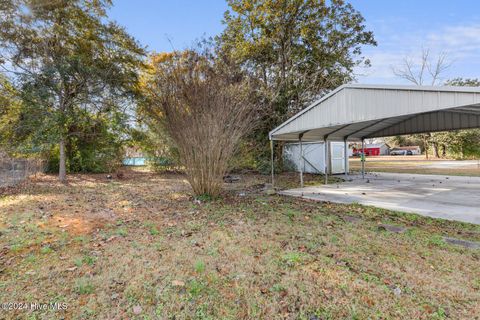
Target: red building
x,y
377,149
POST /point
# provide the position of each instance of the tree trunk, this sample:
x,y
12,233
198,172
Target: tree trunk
x,y
444,151
435,150
62,170
278,152
425,145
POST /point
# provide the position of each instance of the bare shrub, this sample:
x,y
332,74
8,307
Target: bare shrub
x,y
206,105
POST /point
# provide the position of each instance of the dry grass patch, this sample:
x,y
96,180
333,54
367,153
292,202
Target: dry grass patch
x,y
143,248
414,165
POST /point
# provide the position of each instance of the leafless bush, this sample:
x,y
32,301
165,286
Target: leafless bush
x,y
206,106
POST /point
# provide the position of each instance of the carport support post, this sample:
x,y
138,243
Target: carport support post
x,y
345,149
272,164
326,159
301,159
363,158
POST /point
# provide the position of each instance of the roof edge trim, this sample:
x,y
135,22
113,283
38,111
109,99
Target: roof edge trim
x,y
459,89
311,106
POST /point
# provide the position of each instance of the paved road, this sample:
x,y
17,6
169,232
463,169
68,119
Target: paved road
x,y
446,197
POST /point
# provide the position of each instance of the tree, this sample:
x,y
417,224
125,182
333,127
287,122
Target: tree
x,y
419,73
461,142
68,61
296,49
10,106
465,143
204,103
460,82
424,70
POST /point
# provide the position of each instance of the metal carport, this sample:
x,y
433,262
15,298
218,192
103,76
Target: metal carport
x,y
355,112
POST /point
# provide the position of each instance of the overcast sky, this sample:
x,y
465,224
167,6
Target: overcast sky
x,y
401,29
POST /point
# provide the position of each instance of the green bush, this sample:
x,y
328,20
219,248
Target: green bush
x,y
162,164
263,166
102,154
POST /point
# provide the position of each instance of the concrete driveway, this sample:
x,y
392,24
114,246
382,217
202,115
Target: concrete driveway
x,y
446,197
448,164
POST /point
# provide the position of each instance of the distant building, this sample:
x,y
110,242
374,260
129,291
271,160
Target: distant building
x,y
374,149
133,152
134,157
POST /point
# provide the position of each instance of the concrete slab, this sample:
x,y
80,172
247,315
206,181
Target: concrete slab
x,y
445,197
446,164
463,243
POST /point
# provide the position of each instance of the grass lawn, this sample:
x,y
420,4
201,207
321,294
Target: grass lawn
x,y
415,165
142,248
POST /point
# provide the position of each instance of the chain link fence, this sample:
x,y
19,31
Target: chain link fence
x,y
13,171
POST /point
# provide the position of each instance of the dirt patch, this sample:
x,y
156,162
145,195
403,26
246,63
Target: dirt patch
x,y
394,229
78,226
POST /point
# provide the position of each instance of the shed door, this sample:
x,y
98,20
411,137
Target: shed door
x,y
338,158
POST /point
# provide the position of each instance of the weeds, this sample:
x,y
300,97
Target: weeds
x,y
83,286
293,259
122,232
199,267
46,250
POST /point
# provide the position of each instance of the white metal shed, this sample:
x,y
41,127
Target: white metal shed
x,y
312,159
355,112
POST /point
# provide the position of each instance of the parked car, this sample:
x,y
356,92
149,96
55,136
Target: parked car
x,y
401,153
397,152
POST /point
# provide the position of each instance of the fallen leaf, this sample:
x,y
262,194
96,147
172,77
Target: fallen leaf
x,y
137,309
368,301
111,238
178,283
428,309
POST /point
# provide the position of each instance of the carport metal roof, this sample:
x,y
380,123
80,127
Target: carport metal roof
x,y
355,112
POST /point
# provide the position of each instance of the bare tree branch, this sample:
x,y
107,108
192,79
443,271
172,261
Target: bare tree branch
x,y
417,72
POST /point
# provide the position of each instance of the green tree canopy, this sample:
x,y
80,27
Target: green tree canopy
x,y
297,49
460,143
10,112
70,64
